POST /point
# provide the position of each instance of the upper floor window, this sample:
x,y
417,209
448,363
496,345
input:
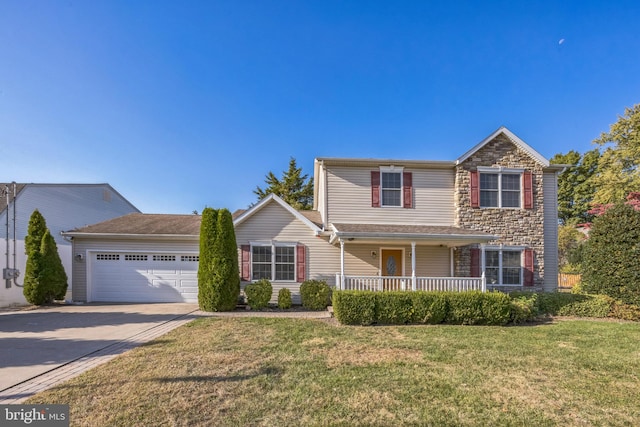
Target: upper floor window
x,y
391,188
501,188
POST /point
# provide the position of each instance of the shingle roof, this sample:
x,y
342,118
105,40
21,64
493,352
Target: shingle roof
x,y
139,223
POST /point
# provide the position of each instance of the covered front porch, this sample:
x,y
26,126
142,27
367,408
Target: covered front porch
x,y
404,257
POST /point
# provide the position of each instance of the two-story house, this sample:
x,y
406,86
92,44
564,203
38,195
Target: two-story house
x,y
487,220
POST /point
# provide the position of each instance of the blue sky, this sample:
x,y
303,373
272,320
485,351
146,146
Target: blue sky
x,y
185,104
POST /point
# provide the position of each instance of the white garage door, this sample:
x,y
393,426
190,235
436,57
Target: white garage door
x,y
143,277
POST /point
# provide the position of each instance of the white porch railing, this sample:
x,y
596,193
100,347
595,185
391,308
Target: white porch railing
x,y
408,283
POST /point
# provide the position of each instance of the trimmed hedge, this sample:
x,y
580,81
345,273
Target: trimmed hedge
x,y
471,308
315,294
258,293
284,298
397,308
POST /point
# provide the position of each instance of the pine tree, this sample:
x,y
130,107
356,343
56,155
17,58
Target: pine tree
x,y
293,187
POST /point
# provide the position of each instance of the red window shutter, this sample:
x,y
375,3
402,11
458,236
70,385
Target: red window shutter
x,y
528,267
527,184
475,262
301,263
245,256
475,189
407,189
375,189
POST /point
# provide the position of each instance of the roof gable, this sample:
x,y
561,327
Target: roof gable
x,y
514,139
272,198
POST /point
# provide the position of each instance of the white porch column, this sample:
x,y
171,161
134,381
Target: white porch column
x,y
341,264
414,281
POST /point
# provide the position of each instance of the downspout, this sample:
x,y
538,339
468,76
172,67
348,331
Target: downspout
x,y
15,247
6,270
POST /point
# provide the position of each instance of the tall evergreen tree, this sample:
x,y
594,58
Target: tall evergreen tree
x,y
35,231
226,281
45,279
52,271
610,258
293,187
207,299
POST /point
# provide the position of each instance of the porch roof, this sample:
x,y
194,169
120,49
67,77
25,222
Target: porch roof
x,y
427,234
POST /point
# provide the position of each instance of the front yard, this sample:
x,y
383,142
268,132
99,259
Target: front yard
x,y
285,372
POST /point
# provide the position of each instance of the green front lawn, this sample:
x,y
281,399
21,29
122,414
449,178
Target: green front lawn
x,y
289,372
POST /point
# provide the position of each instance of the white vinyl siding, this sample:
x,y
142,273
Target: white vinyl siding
x,y
550,197
349,197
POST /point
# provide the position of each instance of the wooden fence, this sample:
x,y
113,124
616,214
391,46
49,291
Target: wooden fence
x,y
567,281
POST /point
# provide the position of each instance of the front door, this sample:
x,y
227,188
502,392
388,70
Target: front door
x,y
391,260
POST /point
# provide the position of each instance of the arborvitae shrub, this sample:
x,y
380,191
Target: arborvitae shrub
x,y
284,298
258,293
45,279
226,273
52,274
315,294
611,256
208,300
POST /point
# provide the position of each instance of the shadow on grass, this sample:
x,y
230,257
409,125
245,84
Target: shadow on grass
x,y
265,371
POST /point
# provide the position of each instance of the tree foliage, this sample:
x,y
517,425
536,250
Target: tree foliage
x,y
208,230
218,272
45,279
576,186
570,241
610,259
619,166
226,278
294,187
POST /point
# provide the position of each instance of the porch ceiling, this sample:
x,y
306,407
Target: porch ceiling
x,y
424,234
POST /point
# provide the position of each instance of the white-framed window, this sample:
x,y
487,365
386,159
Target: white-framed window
x,y
500,188
503,266
391,186
273,261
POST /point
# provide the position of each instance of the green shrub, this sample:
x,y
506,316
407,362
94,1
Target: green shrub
x,y
552,303
610,265
354,307
591,306
258,293
428,307
284,298
524,307
478,308
315,294
623,311
394,308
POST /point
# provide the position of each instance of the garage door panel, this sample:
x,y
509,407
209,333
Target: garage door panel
x,y
129,278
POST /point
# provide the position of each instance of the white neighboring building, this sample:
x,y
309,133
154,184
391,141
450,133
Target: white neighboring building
x,y
64,207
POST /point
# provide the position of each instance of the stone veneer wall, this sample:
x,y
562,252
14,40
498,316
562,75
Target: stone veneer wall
x,y
516,227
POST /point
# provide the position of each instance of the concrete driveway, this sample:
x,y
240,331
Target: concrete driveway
x,y
35,343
